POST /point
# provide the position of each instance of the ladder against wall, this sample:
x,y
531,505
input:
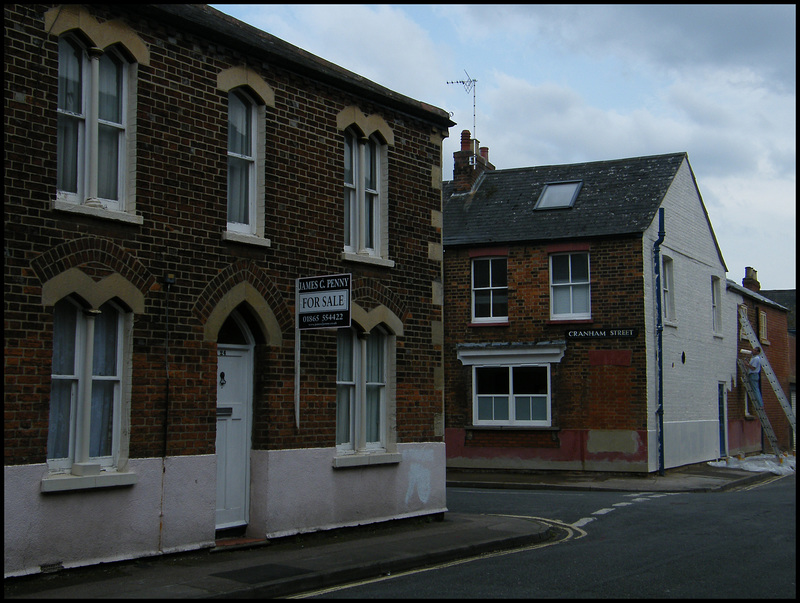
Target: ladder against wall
x,y
759,408
766,369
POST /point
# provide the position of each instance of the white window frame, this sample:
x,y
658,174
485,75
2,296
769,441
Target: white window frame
x,y
83,354
491,289
762,327
362,238
511,398
88,157
747,404
571,285
251,160
668,288
716,304
479,356
353,437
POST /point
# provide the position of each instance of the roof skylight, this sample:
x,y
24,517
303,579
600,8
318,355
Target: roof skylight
x,y
558,194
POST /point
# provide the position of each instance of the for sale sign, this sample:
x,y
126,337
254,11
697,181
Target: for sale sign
x,y
323,302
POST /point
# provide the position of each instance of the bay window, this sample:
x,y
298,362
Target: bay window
x,y
511,384
512,395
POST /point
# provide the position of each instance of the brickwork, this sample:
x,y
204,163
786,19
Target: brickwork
x,y
598,384
776,349
180,184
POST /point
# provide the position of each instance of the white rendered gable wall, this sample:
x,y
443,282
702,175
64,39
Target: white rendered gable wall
x,y
691,409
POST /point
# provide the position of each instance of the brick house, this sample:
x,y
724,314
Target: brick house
x,y
170,174
769,321
550,322
787,298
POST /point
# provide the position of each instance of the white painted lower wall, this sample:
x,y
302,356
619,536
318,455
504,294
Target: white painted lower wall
x,y
292,491
690,442
83,527
295,491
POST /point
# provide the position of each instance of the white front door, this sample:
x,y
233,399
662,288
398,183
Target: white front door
x,y
234,385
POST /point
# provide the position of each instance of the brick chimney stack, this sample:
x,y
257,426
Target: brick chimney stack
x,y
469,163
750,280
465,141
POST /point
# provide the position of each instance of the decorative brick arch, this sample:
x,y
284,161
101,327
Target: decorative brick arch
x,y
95,269
68,17
231,78
368,125
240,282
380,314
368,293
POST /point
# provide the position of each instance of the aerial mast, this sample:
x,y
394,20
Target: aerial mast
x,y
469,86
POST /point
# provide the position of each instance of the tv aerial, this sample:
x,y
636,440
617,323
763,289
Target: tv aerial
x,y
469,86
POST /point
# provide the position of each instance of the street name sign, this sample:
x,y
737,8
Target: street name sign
x,y
589,333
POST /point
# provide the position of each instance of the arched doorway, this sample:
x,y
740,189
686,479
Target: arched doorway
x,y
235,345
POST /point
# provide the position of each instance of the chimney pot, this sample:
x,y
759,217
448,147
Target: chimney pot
x,y
465,140
466,167
750,280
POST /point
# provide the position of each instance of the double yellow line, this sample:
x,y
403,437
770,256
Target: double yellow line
x,y
564,533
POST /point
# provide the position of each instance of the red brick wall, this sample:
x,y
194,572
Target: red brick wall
x,y
181,195
599,383
777,351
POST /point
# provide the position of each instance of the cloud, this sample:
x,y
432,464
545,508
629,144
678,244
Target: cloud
x,y
380,43
667,37
550,124
566,83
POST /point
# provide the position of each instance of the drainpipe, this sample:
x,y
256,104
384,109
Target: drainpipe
x,y
168,280
659,333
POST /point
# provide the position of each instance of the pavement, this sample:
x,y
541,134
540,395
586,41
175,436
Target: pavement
x,y
246,568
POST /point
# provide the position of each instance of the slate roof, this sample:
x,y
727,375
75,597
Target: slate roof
x,y
617,197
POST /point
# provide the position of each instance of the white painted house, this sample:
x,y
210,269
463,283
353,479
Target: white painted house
x,y
699,327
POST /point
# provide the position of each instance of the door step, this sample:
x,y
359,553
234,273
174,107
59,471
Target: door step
x,y
229,539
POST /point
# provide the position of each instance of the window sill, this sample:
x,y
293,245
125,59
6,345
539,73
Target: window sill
x,y
63,482
512,428
498,323
247,239
97,212
365,459
367,259
567,320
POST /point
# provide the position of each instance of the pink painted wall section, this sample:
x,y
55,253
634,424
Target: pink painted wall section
x,y
744,437
296,491
576,450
